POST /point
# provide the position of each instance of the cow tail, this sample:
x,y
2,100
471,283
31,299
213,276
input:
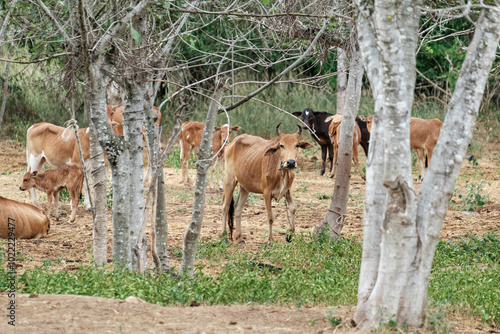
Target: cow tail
x,y
230,220
79,187
426,162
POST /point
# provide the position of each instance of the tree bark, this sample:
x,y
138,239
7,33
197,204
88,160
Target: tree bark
x,y
335,216
204,161
5,86
341,79
98,168
401,229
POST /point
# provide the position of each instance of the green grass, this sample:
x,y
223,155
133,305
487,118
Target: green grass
x,y
464,277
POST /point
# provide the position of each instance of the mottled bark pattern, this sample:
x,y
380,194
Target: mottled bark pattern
x,y
400,229
204,162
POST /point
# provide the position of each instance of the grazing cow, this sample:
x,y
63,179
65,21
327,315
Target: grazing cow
x,y
115,118
190,140
22,220
424,134
316,120
260,166
45,144
53,181
334,133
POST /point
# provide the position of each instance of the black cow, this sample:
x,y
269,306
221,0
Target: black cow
x,y
316,121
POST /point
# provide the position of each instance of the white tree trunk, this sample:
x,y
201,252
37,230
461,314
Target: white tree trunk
x,y
334,218
202,165
341,79
401,230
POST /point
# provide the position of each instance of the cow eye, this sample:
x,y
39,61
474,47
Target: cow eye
x,y
281,146
25,180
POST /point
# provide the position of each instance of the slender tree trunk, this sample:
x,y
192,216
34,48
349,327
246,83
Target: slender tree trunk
x,y
341,79
5,86
401,230
98,168
334,218
202,165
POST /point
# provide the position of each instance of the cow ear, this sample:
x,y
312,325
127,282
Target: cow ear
x,y
216,127
297,113
34,174
304,145
271,150
328,119
235,128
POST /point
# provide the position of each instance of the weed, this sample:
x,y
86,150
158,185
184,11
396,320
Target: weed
x,y
109,197
334,321
323,196
473,199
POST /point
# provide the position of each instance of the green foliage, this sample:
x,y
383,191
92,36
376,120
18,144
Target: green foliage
x,y
173,159
474,197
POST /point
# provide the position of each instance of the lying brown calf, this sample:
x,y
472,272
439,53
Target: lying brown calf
x,y
53,181
21,220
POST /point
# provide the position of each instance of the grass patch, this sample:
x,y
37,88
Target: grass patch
x,y
464,277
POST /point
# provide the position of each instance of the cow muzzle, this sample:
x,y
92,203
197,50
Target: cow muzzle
x,y
20,188
289,164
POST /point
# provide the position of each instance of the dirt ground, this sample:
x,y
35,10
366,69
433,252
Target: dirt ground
x,y
69,244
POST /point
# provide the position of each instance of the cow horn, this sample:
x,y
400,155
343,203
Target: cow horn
x,y
278,129
299,131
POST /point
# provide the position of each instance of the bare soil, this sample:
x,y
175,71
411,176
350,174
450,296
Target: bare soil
x,y
70,244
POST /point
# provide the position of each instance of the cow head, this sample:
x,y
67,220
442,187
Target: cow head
x,y
369,122
288,145
226,132
28,180
307,116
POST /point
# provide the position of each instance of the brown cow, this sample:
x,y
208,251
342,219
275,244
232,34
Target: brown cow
x,y
424,134
260,166
115,118
53,181
334,133
45,144
190,140
22,220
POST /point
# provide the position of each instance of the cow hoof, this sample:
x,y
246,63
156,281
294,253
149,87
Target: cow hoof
x,y
288,238
321,173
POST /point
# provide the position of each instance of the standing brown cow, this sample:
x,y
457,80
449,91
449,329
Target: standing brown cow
x,y
260,166
53,181
22,220
190,140
334,133
115,118
45,144
424,134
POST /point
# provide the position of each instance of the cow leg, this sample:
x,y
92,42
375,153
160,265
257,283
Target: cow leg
x,y
421,158
334,163
86,198
229,185
74,203
270,217
323,159
34,164
50,197
330,156
238,209
56,204
356,160
292,208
